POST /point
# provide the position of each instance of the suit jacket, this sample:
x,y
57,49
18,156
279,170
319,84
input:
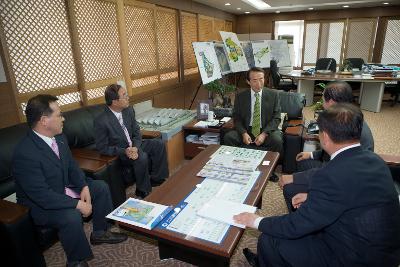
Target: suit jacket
x,y
366,140
270,111
41,177
109,135
352,208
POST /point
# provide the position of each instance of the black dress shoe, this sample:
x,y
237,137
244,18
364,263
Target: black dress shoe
x,y
78,264
109,238
157,183
251,258
274,178
141,194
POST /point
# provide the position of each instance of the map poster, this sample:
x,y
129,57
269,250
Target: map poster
x,y
207,61
248,52
261,52
280,52
236,57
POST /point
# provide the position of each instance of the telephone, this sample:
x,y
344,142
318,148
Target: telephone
x,y
312,128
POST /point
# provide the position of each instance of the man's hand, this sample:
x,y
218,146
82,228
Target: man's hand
x,y
285,179
246,139
132,152
299,199
85,195
260,139
84,208
246,219
303,155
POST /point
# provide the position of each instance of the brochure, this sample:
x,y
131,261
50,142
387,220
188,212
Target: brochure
x,y
140,213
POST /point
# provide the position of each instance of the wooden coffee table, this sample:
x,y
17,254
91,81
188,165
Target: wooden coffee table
x,y
190,249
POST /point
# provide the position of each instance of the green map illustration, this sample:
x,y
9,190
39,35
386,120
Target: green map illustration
x,y
261,53
235,51
208,65
135,211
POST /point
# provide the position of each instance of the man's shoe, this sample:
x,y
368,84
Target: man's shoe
x,y
274,178
78,264
141,194
109,238
157,183
251,258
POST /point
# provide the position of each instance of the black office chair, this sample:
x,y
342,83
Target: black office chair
x,y
326,63
355,63
394,91
285,84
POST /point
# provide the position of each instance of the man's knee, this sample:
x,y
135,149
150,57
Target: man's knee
x,y
71,218
99,186
276,141
142,160
232,138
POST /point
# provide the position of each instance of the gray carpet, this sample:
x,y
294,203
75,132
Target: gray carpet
x,y
141,251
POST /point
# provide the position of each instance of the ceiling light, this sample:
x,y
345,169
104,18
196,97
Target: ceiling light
x,y
346,6
259,4
238,8
227,4
247,12
310,8
277,12
386,3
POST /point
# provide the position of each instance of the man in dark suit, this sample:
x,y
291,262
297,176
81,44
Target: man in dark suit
x,y
50,183
118,134
309,162
257,115
350,215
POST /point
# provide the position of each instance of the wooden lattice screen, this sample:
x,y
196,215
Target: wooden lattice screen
x,y
391,45
189,35
40,51
205,28
166,22
310,45
228,26
99,44
360,38
219,25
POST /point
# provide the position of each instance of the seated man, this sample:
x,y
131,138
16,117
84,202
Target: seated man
x,y
50,183
118,134
257,115
350,215
335,92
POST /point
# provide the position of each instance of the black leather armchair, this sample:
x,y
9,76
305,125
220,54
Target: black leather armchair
x,y
326,63
278,82
356,63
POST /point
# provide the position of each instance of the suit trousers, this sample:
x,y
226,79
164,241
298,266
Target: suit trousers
x,y
305,251
273,142
68,222
151,164
306,168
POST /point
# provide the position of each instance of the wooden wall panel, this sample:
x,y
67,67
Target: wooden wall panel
x,y
170,99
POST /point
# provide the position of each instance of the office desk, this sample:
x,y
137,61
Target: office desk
x,y
371,89
176,188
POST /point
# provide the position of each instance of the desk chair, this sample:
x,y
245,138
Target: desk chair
x,y
394,91
326,63
355,63
278,82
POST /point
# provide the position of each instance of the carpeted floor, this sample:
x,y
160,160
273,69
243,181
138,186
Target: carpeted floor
x,y
141,251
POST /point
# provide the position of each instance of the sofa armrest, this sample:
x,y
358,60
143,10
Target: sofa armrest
x,y
150,134
11,212
91,154
392,160
90,165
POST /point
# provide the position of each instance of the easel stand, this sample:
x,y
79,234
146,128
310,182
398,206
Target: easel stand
x,y
195,95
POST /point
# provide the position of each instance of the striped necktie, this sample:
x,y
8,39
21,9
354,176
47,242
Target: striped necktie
x,y
255,129
128,138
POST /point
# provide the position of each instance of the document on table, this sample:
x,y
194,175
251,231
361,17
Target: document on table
x,y
189,223
223,211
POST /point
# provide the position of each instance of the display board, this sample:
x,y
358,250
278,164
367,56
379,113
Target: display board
x,y
248,52
280,52
222,57
261,53
207,61
236,57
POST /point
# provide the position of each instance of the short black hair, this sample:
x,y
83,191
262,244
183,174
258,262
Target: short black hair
x,y
342,122
253,69
111,93
37,107
338,91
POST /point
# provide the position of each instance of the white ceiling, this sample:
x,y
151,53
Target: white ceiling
x,y
292,5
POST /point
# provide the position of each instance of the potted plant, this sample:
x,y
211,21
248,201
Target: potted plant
x,y
222,91
318,106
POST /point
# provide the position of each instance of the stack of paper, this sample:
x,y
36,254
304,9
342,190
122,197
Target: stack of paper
x,y
210,138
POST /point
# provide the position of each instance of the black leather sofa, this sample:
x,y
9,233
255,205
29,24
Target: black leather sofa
x,y
21,241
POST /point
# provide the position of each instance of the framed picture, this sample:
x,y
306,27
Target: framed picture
x,y
203,108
